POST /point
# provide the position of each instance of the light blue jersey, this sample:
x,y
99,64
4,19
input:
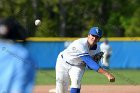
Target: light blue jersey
x,y
16,69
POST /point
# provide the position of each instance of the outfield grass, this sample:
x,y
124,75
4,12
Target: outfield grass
x,y
131,77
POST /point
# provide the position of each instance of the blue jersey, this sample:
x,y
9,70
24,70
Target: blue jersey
x,y
16,69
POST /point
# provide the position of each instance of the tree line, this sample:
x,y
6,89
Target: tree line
x,y
74,18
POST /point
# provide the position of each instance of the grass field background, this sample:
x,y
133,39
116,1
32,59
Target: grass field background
x,y
123,77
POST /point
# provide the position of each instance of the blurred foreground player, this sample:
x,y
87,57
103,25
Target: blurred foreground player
x,y
16,67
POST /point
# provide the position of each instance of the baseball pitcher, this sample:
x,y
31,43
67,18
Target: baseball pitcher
x,y
72,61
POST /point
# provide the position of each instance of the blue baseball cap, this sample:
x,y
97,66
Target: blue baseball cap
x,y
96,31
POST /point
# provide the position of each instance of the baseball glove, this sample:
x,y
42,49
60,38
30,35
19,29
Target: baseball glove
x,y
97,57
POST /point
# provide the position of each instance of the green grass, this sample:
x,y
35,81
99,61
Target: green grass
x,y
131,77
44,77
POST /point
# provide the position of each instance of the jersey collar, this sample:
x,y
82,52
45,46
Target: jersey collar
x,y
94,47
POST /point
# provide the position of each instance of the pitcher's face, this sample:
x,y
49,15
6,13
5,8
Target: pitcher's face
x,y
93,39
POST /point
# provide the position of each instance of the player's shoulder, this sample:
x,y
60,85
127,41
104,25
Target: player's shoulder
x,y
81,44
102,44
15,48
22,51
81,41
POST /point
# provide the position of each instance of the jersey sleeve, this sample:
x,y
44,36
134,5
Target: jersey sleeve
x,y
90,62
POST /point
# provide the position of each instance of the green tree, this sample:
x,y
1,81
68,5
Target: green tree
x,y
74,18
133,27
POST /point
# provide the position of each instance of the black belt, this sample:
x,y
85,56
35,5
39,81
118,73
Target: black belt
x,y
69,63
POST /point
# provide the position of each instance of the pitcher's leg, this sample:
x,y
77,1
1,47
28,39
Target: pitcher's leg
x,y
76,74
62,78
62,83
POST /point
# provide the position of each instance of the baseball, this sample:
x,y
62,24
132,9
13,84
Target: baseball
x,y
37,22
